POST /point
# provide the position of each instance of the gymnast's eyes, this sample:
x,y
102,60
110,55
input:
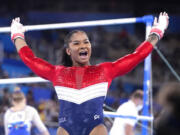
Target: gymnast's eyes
x,y
86,42
76,43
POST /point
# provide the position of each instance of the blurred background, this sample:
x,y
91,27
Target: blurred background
x,y
109,43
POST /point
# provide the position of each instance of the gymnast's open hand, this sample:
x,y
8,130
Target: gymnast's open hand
x,y
160,25
17,29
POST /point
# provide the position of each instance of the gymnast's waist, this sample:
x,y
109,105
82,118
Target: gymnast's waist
x,y
90,110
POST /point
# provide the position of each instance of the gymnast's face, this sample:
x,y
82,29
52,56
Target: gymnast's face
x,y
79,49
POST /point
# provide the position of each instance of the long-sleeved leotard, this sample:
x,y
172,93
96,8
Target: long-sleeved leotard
x,y
81,90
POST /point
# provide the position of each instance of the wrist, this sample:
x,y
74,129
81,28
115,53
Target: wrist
x,y
153,36
153,39
16,36
159,33
18,39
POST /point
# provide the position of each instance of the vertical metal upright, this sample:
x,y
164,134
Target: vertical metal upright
x,y
147,85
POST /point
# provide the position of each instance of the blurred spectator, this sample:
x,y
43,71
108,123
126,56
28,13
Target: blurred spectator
x,y
168,122
125,126
1,52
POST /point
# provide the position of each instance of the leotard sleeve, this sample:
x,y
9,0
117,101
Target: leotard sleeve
x,y
128,62
6,123
37,65
37,121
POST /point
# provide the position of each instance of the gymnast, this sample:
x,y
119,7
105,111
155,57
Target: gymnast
x,y
81,87
20,117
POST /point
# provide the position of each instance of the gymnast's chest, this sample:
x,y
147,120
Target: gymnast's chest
x,y
79,77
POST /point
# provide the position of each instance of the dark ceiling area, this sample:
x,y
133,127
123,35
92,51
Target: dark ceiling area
x,y
134,7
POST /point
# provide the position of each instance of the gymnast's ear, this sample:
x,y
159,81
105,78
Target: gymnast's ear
x,y
68,51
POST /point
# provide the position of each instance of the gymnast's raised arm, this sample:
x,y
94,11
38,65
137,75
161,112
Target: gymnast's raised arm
x,y
37,65
128,62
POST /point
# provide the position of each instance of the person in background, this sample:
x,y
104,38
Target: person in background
x,y
19,118
168,121
81,87
125,126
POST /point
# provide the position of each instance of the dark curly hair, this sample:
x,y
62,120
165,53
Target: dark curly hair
x,y
65,58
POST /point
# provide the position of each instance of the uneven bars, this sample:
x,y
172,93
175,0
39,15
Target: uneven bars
x,y
22,80
139,117
75,24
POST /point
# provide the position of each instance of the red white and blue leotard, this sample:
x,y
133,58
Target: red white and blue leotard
x,y
81,90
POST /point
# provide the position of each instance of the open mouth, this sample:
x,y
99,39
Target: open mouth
x,y
83,54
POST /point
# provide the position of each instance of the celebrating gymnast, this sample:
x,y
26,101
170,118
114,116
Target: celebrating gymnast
x,y
81,87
